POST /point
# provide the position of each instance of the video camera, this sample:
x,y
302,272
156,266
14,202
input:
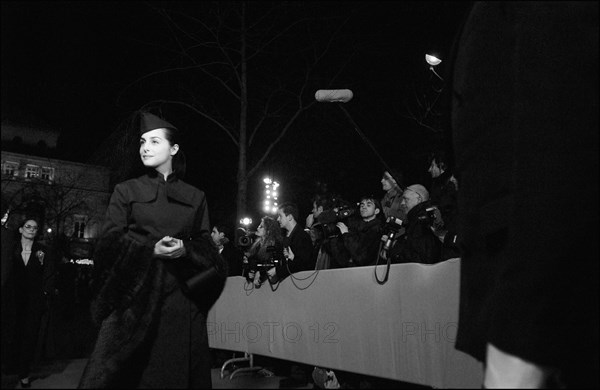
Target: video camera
x,y
274,259
244,237
327,220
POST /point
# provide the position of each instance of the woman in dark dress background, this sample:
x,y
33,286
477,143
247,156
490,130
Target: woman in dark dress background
x,y
154,240
24,298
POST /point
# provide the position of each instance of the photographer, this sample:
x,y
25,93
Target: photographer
x,y
259,257
321,212
233,256
418,244
358,242
297,245
443,195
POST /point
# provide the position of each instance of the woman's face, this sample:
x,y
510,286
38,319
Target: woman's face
x,y
434,169
156,151
261,231
29,229
387,181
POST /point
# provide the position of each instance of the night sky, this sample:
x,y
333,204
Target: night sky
x,y
65,65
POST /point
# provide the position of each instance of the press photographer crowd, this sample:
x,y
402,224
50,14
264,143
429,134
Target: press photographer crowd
x,y
408,224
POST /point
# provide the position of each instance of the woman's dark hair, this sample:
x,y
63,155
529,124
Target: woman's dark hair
x,y
273,235
441,159
26,218
179,164
272,238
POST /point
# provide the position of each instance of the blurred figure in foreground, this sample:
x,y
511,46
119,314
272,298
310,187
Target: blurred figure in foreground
x,y
525,136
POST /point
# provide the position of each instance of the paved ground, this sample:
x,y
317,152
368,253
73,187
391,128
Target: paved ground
x,y
65,374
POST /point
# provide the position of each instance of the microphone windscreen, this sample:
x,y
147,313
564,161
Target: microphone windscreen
x,y
334,95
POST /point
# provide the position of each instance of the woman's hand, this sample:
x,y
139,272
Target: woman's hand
x,y
342,226
257,281
169,248
288,253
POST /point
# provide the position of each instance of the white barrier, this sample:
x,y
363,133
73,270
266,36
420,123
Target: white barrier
x,y
343,319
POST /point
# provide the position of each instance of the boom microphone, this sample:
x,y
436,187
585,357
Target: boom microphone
x,y
334,95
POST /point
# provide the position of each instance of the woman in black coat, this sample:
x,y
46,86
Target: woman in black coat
x,y
24,297
155,242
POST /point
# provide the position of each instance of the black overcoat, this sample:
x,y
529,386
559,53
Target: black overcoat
x,y
152,330
24,302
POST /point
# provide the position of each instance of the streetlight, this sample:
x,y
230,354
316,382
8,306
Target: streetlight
x,y
433,61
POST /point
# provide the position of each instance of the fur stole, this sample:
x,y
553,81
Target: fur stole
x,y
127,306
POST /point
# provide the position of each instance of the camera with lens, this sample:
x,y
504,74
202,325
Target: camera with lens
x,y
274,258
244,238
432,217
327,220
392,227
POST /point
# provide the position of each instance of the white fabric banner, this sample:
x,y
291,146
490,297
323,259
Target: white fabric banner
x,y
343,319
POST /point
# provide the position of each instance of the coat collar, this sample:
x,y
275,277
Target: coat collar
x,y
176,189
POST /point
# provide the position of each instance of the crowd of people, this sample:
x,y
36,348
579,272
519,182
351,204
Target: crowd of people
x,y
406,224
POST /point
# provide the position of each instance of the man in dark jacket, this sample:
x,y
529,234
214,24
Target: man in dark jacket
x,y
359,242
297,245
418,244
443,195
232,255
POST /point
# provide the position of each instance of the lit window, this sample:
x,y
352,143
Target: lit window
x,y
32,171
10,168
79,226
47,173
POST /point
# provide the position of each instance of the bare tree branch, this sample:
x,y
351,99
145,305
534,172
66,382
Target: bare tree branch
x,y
287,126
202,113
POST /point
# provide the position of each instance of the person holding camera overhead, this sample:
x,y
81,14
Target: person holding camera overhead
x,y
419,244
391,183
263,251
358,242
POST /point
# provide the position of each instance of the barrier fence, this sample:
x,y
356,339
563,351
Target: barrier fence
x,y
343,319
